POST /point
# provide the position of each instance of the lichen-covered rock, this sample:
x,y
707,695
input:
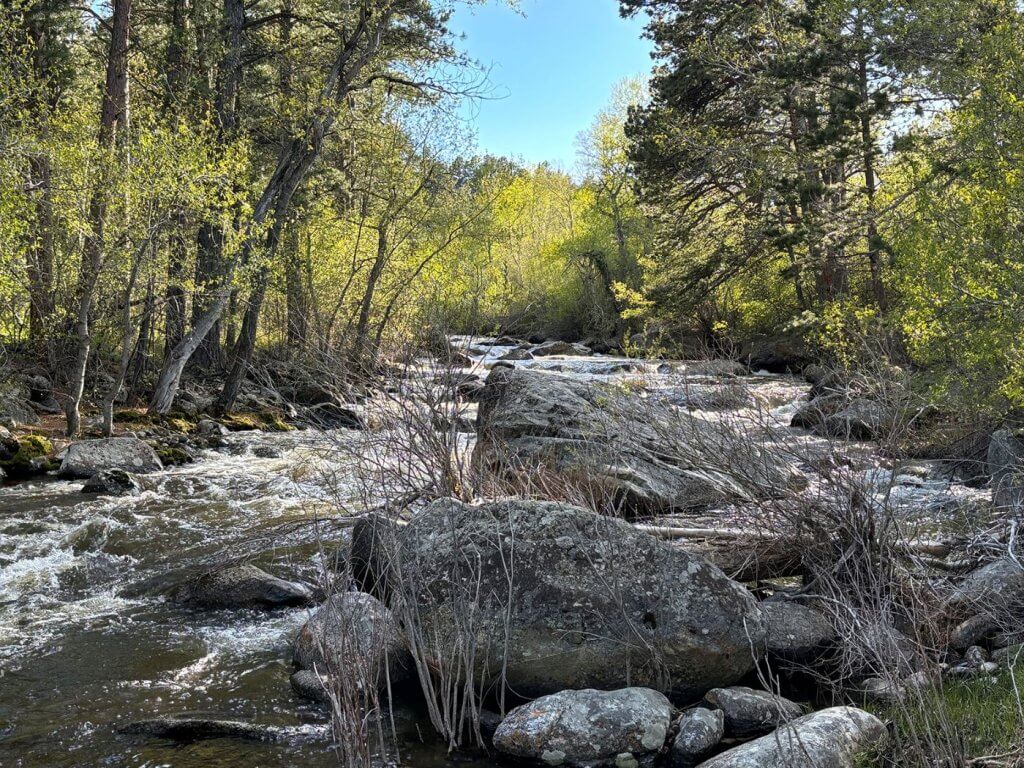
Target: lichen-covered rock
x,y
241,586
996,588
352,639
559,597
749,712
838,737
645,458
112,482
587,728
86,458
561,348
698,732
796,633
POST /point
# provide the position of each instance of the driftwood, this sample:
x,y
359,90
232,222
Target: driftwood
x,y
747,555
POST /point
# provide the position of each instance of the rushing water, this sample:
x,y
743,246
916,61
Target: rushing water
x,y
87,644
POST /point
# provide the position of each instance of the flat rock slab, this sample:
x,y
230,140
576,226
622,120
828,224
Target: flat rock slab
x,y
588,727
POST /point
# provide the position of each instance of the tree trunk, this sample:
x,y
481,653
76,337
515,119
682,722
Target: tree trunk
x,y
140,357
113,115
208,279
361,351
127,326
40,252
294,161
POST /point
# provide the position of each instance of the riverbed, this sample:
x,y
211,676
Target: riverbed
x,y
88,643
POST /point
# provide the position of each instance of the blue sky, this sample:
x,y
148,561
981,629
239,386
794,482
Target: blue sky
x,y
551,70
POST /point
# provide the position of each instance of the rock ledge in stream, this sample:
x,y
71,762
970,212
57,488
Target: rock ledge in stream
x,y
86,458
640,456
242,586
595,603
837,737
587,728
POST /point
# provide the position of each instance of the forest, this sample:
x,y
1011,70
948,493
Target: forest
x,y
712,439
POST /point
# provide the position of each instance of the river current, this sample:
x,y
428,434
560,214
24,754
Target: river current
x,y
88,644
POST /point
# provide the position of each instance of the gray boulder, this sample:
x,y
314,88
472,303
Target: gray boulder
x,y
996,588
241,586
860,419
517,354
1005,460
86,458
561,348
112,482
352,639
593,603
796,633
587,728
838,737
15,412
643,457
749,712
698,732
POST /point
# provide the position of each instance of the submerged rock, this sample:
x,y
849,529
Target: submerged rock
x,y
643,458
112,482
592,602
352,639
749,712
837,737
86,458
241,586
199,728
587,728
698,732
517,354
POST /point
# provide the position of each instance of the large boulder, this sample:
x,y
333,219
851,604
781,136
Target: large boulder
x,y
796,633
86,458
241,586
558,597
587,728
644,457
561,348
15,412
352,639
838,737
698,732
749,712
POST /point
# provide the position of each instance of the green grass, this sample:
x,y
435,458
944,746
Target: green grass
x,y
963,719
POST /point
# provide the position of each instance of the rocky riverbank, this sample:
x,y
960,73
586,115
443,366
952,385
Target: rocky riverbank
x,y
633,573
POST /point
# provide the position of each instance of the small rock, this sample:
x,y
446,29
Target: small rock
x,y
1009,655
973,631
211,428
879,691
749,712
241,586
975,656
112,482
335,416
698,732
587,727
